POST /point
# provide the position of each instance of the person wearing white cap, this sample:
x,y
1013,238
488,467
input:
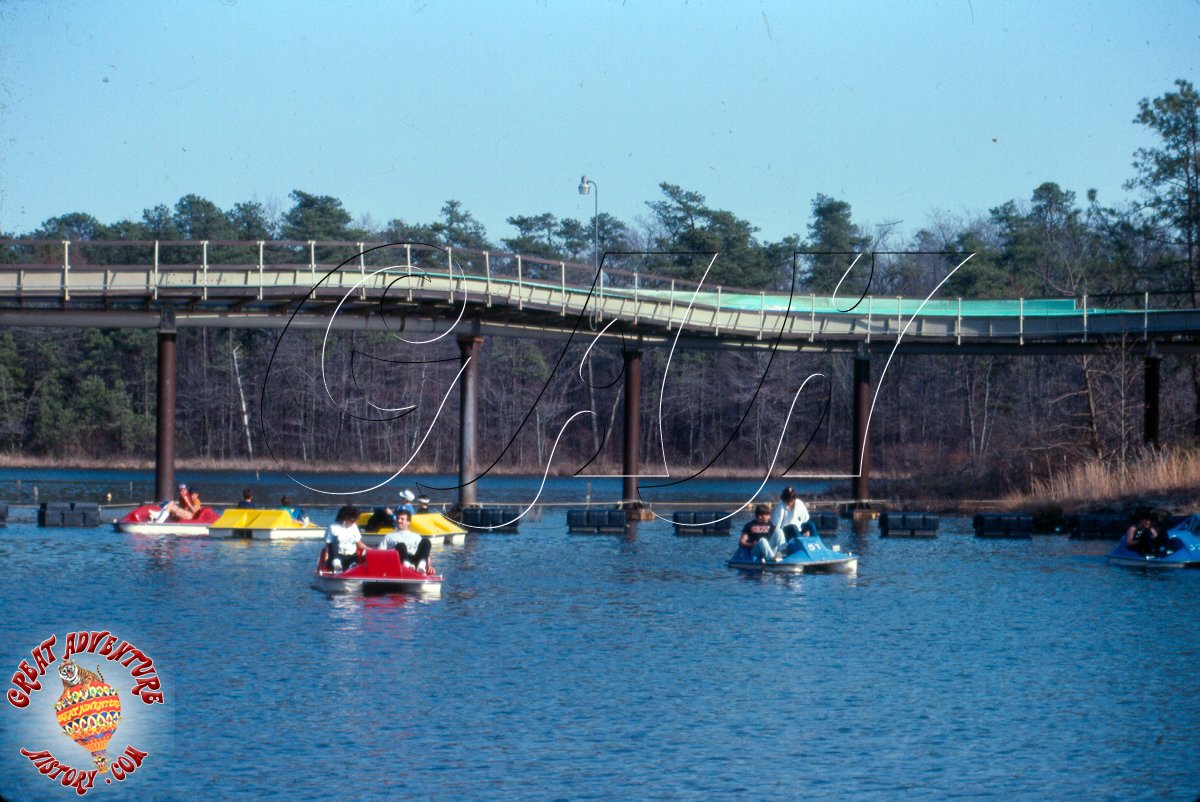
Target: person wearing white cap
x,y
407,497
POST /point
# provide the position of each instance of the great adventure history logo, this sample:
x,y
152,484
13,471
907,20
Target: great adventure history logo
x,y
88,709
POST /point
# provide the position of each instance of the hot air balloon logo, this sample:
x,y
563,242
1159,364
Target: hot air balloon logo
x,y
88,710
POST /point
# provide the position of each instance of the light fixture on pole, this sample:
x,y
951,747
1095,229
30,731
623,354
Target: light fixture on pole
x,y
586,185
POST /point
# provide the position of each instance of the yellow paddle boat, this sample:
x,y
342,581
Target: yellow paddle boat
x,y
433,525
263,525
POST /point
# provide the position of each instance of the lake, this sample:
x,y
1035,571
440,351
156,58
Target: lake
x,y
566,666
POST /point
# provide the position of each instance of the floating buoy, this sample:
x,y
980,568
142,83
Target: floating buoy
x,y
596,521
908,524
69,513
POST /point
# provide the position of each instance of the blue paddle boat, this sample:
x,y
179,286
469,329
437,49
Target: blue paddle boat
x,y
1180,550
806,554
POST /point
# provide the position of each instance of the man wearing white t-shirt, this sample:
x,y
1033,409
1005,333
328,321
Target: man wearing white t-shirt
x,y
413,548
788,520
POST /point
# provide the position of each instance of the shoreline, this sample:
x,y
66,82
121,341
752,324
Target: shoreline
x,y
1175,494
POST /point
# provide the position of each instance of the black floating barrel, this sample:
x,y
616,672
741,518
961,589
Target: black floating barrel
x,y
65,513
3,513
503,519
908,524
592,521
1104,526
825,522
1003,525
51,513
614,521
702,522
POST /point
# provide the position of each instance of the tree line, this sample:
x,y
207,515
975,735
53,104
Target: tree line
x,y
91,393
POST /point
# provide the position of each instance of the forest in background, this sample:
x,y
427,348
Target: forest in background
x,y
997,422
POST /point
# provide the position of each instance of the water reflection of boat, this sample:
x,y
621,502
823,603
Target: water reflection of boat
x,y
1181,549
433,525
144,521
380,570
808,555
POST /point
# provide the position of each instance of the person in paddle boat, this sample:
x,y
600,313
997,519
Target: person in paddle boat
x,y
292,509
247,502
343,541
188,506
407,497
381,518
423,504
754,543
1143,537
385,517
790,520
413,549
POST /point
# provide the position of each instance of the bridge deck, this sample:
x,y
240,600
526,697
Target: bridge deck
x,y
358,296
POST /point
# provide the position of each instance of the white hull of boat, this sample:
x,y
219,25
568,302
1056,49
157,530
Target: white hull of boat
x,y
847,565
298,533
1151,562
335,583
175,529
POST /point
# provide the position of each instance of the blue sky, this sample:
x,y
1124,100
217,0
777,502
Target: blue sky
x,y
942,107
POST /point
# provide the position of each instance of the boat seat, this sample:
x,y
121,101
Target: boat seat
x,y
385,562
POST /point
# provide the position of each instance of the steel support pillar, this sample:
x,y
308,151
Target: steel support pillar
x,y
467,421
1150,423
633,428
860,467
164,457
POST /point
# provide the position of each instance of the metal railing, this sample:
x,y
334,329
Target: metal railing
x,y
208,272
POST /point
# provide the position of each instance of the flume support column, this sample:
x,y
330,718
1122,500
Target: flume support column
x,y
860,458
633,428
1150,422
164,454
467,422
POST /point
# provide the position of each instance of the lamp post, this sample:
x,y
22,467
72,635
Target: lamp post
x,y
586,186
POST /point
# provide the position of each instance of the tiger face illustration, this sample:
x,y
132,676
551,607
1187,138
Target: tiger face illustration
x,y
72,674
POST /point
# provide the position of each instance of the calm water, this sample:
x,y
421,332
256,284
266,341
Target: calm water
x,y
559,666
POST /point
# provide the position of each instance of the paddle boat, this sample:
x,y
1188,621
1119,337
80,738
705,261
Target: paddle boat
x,y
1181,550
433,525
380,570
264,525
806,554
144,520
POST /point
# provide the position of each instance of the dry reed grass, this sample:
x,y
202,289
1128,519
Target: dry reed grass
x,y
1149,476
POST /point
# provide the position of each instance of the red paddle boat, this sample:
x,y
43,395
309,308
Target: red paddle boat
x,y
145,521
377,570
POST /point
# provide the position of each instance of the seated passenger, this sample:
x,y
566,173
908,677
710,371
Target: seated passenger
x,y
790,520
413,548
247,502
188,506
407,497
290,507
381,518
755,540
343,541
1144,538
